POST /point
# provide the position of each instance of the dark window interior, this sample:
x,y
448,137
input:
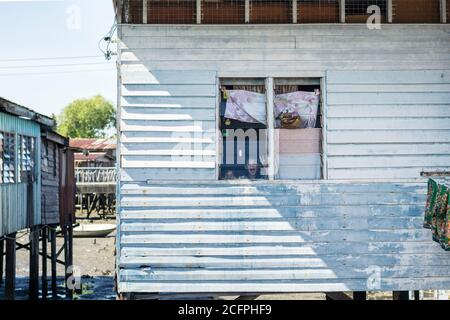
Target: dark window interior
x,y
235,169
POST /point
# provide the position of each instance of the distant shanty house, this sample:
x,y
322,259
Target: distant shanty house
x,y
37,189
280,145
94,152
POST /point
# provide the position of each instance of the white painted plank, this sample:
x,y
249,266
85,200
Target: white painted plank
x,y
388,111
168,126
176,174
208,42
340,285
394,149
139,113
171,54
312,249
389,124
242,213
131,163
377,88
271,201
389,77
169,102
164,90
189,77
382,173
389,136
398,161
372,98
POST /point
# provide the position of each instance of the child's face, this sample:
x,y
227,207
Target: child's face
x,y
252,169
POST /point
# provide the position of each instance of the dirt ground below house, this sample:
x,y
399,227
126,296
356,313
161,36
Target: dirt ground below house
x,y
95,260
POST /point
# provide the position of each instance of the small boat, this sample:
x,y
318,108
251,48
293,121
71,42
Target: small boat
x,y
93,230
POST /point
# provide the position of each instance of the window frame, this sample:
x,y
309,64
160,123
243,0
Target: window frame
x,y
269,83
14,158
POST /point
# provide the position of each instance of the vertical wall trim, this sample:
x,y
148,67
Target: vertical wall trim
x,y
324,117
144,11
199,11
126,9
218,139
443,11
389,11
270,128
342,11
294,11
247,11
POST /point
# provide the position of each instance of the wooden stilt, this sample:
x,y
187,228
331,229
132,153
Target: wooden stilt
x,y
34,264
360,295
337,296
400,295
67,261
53,262
416,295
44,263
10,272
2,252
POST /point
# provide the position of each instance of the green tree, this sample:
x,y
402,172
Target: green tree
x,y
87,118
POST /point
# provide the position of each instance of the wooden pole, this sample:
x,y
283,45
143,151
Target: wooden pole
x,y
342,11
53,262
294,11
400,295
444,11
34,264
247,11
2,252
198,11
44,264
10,272
360,295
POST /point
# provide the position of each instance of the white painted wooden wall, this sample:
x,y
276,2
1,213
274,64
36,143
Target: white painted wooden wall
x,y
278,236
387,124
169,81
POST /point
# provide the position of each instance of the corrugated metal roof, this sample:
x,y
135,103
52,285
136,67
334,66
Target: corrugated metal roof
x,y
91,156
93,144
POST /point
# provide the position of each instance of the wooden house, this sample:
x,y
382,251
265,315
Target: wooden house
x,y
336,204
37,190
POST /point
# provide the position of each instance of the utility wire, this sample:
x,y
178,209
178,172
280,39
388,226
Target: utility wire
x,y
55,72
51,58
56,65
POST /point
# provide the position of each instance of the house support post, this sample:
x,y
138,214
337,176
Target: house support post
x,y
359,295
10,272
34,263
2,252
53,262
44,263
400,295
68,258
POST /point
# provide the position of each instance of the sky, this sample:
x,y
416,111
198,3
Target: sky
x,y
49,53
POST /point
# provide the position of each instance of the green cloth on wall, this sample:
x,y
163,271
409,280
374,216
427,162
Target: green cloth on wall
x,y
437,212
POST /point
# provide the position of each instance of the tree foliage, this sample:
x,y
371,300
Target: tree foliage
x,y
87,118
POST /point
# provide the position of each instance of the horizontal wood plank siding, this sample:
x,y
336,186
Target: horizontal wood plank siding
x,y
387,124
200,235
163,114
247,237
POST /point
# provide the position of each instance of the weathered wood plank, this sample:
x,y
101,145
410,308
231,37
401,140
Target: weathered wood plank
x,y
389,136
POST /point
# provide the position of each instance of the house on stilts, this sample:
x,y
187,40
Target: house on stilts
x,y
280,146
37,198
